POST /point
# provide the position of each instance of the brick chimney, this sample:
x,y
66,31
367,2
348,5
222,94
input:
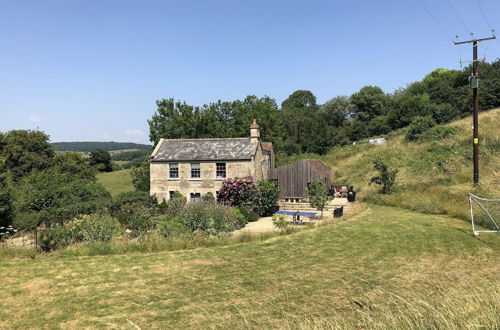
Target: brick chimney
x,y
254,132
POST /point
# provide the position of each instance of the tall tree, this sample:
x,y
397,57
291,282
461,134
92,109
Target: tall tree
x,y
25,150
101,159
74,164
369,102
140,176
338,110
297,111
174,120
265,110
6,210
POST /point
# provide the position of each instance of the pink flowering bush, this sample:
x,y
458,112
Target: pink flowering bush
x,y
239,193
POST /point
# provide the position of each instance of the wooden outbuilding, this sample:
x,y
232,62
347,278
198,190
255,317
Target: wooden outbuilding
x,y
293,178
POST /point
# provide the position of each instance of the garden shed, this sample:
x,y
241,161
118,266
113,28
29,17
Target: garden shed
x,y
293,178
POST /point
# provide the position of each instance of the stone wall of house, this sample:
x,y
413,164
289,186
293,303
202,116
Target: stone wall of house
x,y
161,184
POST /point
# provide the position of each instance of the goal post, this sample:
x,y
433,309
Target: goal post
x,y
484,214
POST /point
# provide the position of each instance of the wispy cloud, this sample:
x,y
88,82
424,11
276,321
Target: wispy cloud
x,y
35,119
104,136
134,133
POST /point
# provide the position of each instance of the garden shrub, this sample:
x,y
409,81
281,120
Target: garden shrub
x,y
239,220
132,197
244,212
208,197
253,217
54,238
128,206
418,126
280,222
172,227
142,222
99,227
267,197
211,219
172,207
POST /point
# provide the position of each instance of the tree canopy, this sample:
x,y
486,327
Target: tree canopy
x,y
301,125
22,151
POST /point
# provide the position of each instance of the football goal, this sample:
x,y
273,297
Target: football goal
x,y
484,214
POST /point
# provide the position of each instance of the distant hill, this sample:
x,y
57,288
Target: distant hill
x,y
92,146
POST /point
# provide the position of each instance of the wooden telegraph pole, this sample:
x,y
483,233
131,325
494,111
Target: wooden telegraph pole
x,y
474,79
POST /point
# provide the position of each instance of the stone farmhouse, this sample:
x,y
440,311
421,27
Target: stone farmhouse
x,y
194,167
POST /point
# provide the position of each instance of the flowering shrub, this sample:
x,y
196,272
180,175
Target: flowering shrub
x,y
239,193
257,197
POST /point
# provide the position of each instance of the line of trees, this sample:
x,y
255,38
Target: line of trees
x,y
92,146
300,125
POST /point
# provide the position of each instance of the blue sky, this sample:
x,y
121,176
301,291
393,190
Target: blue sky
x,y
92,70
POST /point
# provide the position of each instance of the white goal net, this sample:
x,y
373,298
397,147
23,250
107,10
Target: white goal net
x,y
484,214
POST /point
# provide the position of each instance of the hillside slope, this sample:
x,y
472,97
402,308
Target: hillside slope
x,y
434,176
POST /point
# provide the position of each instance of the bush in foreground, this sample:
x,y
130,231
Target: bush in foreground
x,y
89,228
211,219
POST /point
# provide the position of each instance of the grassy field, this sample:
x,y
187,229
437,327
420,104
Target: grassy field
x,y
116,182
384,268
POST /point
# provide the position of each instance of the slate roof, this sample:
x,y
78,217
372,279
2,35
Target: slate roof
x,y
203,149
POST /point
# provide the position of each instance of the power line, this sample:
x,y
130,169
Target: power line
x,y
435,20
458,16
486,19
484,16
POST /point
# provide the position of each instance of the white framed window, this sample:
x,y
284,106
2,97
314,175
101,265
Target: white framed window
x,y
195,170
173,170
220,170
195,197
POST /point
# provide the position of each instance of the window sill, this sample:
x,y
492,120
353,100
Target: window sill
x,y
195,179
173,179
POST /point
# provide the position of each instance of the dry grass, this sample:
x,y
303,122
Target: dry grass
x,y
384,268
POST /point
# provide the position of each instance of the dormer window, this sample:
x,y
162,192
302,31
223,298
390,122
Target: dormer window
x,y
220,170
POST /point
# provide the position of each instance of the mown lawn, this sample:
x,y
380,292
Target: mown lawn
x,y
384,268
116,182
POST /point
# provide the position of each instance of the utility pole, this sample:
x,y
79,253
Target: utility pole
x,y
474,79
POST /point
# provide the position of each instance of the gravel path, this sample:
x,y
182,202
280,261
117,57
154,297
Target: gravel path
x,y
265,224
